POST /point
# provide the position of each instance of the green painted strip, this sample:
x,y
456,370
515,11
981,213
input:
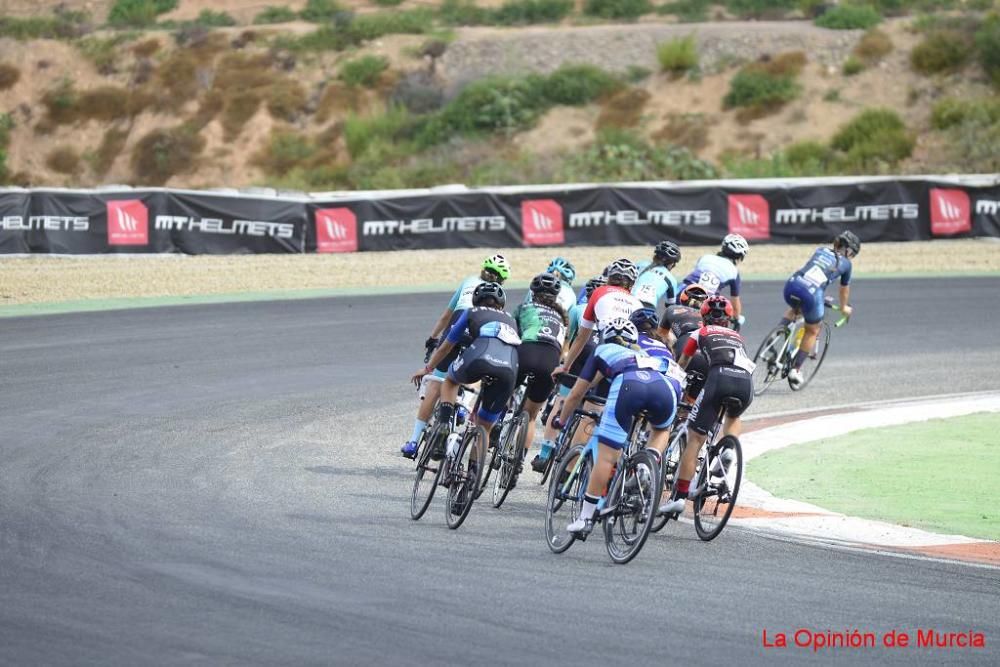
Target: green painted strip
x,y
94,305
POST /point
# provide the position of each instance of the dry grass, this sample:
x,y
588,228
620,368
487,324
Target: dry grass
x,y
873,46
624,108
64,160
46,279
111,146
163,153
9,75
689,130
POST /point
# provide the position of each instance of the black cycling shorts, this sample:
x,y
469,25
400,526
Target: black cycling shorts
x,y
722,382
488,357
540,359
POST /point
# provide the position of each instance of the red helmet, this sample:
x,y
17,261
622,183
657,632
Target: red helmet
x,y
717,310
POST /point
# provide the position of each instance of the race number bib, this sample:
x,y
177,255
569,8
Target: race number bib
x,y
651,363
710,282
815,276
741,360
508,335
675,372
647,293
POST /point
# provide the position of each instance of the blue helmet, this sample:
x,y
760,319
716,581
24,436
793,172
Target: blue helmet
x,y
564,267
644,319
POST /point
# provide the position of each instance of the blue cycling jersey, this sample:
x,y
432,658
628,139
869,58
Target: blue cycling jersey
x,y
654,347
653,284
823,268
462,299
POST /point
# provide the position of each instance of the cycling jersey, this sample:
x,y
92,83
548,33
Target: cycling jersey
x,y
608,302
721,346
681,320
714,272
540,323
654,347
804,289
612,360
574,329
653,284
492,353
566,297
462,299
481,322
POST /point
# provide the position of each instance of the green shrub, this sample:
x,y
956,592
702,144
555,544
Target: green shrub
x,y
320,11
63,25
286,150
363,71
636,73
526,12
760,9
872,47
388,3
273,14
678,55
579,84
164,153
372,26
686,11
617,9
495,104
873,136
213,19
9,75
940,51
361,133
849,17
622,155
810,156
852,66
988,45
760,90
138,13
952,111
463,12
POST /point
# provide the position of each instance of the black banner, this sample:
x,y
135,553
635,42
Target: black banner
x,y
805,210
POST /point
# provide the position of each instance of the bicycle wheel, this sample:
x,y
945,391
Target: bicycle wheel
x,y
714,506
511,459
563,444
428,472
497,435
627,526
464,476
569,483
671,464
813,361
768,361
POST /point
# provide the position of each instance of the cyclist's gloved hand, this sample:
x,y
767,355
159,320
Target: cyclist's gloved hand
x,y
738,323
430,343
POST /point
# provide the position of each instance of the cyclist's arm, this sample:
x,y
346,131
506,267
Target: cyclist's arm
x,y
575,397
442,323
455,335
440,353
580,342
737,307
845,293
690,348
734,296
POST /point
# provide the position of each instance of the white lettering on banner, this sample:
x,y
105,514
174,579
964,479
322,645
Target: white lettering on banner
x,y
880,212
631,217
182,223
477,223
987,207
49,223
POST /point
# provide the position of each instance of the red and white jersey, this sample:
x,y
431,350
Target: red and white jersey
x,y
606,303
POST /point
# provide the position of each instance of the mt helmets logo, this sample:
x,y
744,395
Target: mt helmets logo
x,y
128,222
749,216
336,230
950,212
542,222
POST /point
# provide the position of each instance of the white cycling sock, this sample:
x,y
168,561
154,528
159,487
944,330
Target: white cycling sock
x,y
589,506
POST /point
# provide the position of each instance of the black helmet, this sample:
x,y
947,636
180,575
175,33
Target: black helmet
x,y
668,251
644,319
487,291
848,239
545,283
594,283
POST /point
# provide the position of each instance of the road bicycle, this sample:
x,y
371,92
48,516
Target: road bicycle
x,y
716,482
443,459
508,453
566,435
775,355
626,510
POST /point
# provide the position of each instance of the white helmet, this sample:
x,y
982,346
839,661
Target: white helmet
x,y
735,246
622,329
623,268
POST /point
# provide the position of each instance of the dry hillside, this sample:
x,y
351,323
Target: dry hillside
x,y
239,106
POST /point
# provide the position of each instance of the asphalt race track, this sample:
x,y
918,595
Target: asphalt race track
x,y
220,484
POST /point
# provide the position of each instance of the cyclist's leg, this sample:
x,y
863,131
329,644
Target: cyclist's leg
x,y
661,410
740,388
701,421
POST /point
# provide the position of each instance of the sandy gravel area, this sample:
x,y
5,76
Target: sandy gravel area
x,y
40,279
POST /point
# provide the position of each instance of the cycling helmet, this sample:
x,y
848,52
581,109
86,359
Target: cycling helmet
x,y
735,246
545,283
486,291
717,310
593,284
848,239
668,251
621,331
693,296
623,268
644,319
564,267
498,265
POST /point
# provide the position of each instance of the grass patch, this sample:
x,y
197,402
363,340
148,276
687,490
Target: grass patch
x,y
63,24
764,87
760,9
686,11
63,159
885,474
617,9
9,75
678,56
104,52
108,151
164,153
364,71
987,40
952,111
873,138
849,17
138,13
622,155
623,109
349,30
687,130
852,66
579,84
320,11
272,14
873,46
941,51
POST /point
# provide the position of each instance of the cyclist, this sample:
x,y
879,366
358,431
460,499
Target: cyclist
x,y
542,326
728,377
583,295
655,281
645,321
804,291
593,340
563,269
495,269
492,353
676,326
713,272
638,383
